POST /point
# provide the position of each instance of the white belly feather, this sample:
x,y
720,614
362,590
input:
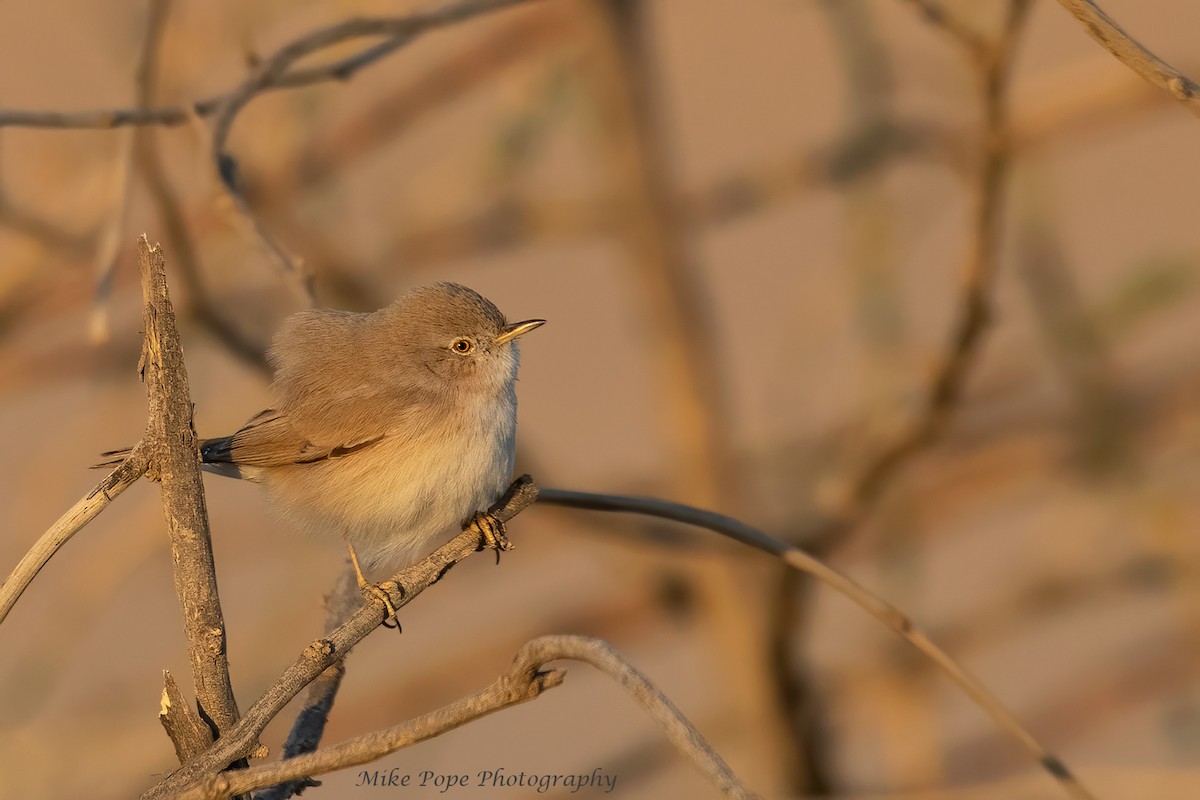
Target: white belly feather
x,y
408,491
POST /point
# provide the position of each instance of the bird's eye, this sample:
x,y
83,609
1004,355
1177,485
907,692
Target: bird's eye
x,y
462,346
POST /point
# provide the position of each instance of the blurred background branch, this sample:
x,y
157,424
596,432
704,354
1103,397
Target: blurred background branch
x,y
747,226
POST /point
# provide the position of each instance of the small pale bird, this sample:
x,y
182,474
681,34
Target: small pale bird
x,y
390,428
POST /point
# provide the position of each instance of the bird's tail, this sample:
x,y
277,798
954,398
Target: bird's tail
x,y
210,456
112,458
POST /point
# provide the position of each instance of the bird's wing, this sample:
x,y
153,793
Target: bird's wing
x,y
333,397
270,439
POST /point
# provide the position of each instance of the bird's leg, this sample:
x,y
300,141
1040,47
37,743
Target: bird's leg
x,y
373,590
491,528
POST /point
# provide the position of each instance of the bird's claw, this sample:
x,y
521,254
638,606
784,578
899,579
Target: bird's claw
x,y
375,591
491,529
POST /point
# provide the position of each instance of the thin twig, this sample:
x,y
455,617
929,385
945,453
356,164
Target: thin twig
x,y
338,70
125,475
175,460
864,598
272,73
1130,52
525,680
402,588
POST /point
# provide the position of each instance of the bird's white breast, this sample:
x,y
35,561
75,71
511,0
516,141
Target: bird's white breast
x,y
395,496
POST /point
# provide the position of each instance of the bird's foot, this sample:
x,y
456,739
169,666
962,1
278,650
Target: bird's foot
x,y
374,591
491,529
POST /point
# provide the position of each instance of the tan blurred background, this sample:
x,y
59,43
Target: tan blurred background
x,y
1048,539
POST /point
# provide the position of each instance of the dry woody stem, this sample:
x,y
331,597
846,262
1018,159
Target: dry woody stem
x,y
175,460
125,475
1130,52
524,680
339,70
185,729
205,776
323,653
274,72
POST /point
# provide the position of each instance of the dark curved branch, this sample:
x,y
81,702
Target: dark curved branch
x,y
339,70
859,595
271,72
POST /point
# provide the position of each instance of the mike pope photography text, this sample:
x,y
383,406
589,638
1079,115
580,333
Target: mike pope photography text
x,y
541,782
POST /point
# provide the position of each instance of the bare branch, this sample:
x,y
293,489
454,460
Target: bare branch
x,y
188,733
175,457
272,73
864,598
100,118
525,680
510,222
402,588
70,523
339,70
1130,52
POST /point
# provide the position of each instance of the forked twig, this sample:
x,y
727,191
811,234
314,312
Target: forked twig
x,y
338,70
525,680
239,742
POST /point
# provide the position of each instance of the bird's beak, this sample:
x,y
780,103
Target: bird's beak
x,y
515,329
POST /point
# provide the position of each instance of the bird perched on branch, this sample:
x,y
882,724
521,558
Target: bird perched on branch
x,y
390,428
